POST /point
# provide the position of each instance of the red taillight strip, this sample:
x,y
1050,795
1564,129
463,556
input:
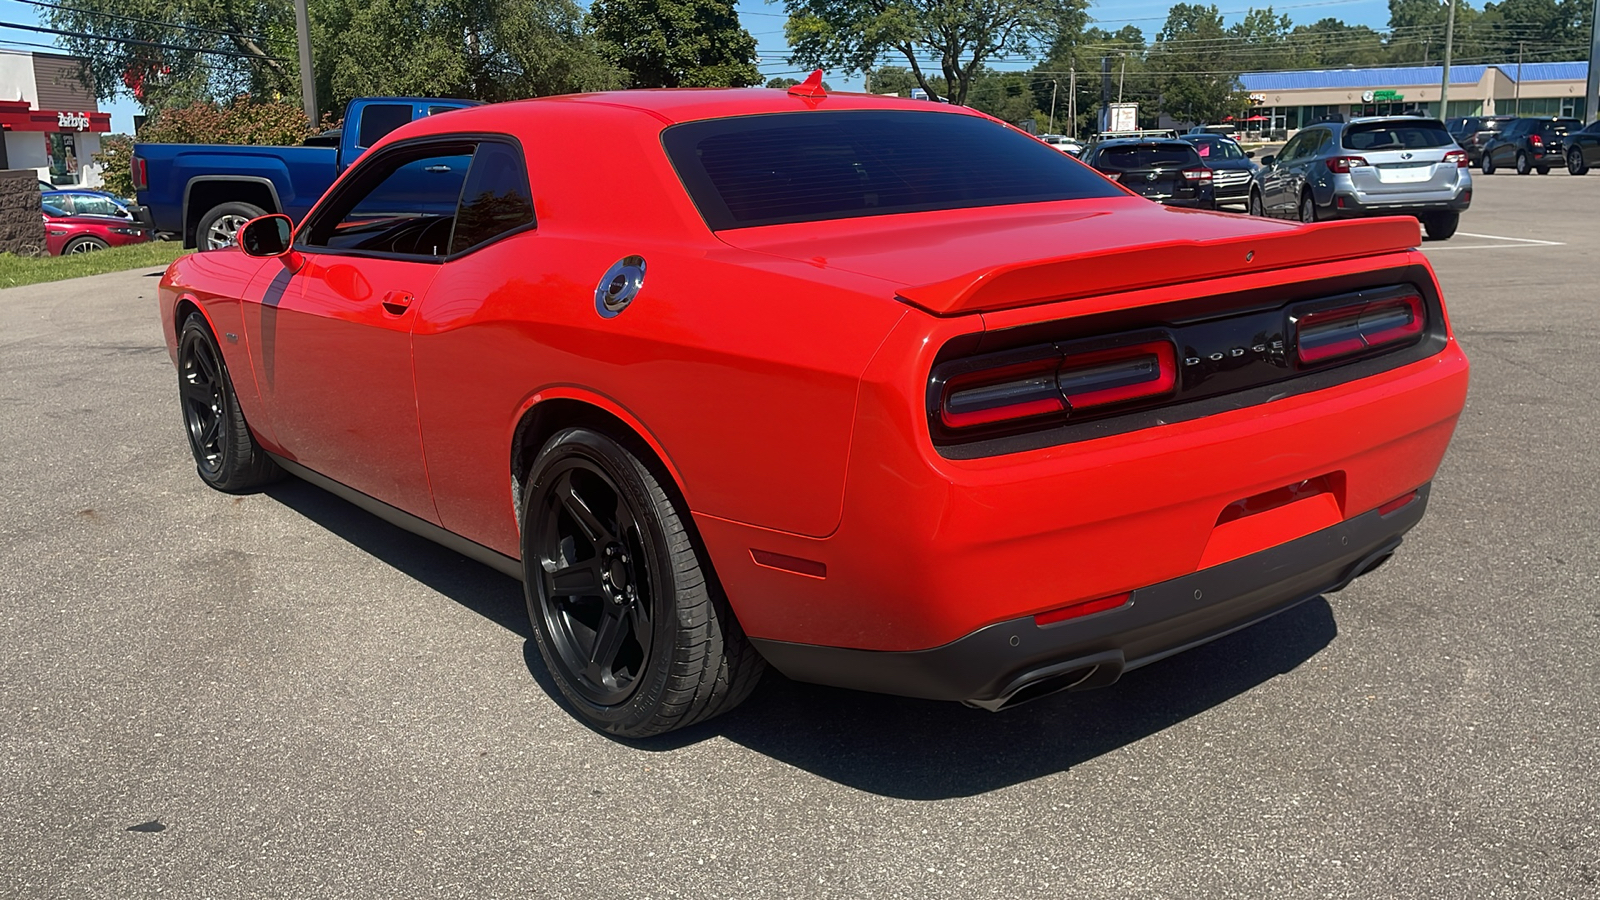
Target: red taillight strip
x,y
1059,384
1115,376
1332,333
1082,608
1009,392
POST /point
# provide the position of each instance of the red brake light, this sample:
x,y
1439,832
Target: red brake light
x,y
1332,333
1536,141
1059,384
1343,164
1198,176
141,175
1459,157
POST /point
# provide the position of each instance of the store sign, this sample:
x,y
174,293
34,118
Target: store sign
x,y
75,120
1382,97
1258,98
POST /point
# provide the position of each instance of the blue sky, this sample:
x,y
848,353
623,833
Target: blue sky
x,y
765,21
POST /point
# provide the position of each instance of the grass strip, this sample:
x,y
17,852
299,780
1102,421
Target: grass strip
x,y
19,270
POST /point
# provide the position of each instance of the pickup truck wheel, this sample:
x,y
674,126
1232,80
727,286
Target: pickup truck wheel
x,y
626,611
85,244
220,225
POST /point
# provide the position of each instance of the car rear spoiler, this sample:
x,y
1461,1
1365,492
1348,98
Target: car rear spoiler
x,y
1079,275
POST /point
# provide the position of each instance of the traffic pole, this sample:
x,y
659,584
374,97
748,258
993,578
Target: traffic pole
x,y
1449,47
1592,97
308,83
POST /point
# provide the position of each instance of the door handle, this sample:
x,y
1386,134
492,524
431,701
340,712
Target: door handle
x,y
397,302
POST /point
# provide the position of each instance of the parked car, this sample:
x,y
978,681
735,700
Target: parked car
x,y
65,233
1223,128
878,392
1529,145
1583,149
1383,166
1471,132
88,203
1232,167
202,193
1167,171
1063,143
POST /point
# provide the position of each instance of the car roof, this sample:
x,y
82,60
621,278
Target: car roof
x,y
1142,142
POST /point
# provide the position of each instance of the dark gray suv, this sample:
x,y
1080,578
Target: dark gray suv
x,y
1390,166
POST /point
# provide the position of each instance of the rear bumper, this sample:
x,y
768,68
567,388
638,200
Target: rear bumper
x,y
1015,660
1354,205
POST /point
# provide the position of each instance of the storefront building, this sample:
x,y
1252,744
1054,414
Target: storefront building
x,y
1283,102
49,118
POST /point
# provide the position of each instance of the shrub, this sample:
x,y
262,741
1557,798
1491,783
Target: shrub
x,y
243,120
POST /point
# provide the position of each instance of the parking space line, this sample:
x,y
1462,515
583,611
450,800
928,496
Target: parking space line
x,y
1496,237
1430,249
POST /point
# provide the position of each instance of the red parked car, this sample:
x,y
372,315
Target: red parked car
x,y
65,233
886,395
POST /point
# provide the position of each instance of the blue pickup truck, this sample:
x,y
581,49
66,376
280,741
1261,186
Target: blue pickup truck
x,y
203,193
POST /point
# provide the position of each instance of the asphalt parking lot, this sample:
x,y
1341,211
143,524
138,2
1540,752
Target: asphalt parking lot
x,y
279,695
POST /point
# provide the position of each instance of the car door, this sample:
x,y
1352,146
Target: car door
x,y
1272,179
331,335
1503,147
1589,140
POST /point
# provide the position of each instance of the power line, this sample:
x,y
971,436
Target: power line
x,y
135,19
137,42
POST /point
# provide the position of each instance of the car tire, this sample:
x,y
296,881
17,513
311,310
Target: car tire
x,y
1487,166
226,454
1308,208
1523,166
1253,206
1543,170
1575,162
642,642
221,223
83,244
1441,226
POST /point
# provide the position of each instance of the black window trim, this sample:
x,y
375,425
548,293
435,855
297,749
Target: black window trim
x,y
353,183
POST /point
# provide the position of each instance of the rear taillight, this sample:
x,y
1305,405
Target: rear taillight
x,y
1197,176
1459,157
1333,333
1059,384
1343,164
141,174
1536,141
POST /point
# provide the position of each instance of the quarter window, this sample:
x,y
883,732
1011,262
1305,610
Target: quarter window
x,y
495,199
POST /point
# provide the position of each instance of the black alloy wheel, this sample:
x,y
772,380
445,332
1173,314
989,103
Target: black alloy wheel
x,y
1254,207
226,454
1487,165
626,611
1575,163
1523,167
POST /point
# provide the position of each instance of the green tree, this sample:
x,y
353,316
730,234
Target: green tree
x,y
1007,96
242,120
115,159
1197,64
676,43
1331,44
900,80
1131,78
855,34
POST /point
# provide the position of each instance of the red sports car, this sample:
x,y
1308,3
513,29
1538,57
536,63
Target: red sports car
x,y
886,395
65,233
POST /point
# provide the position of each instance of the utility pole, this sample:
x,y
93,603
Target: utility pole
x,y
1592,95
1123,77
308,83
1449,47
1516,89
1072,100
1051,129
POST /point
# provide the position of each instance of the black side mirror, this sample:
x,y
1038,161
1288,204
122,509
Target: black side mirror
x,y
1268,160
1249,154
267,236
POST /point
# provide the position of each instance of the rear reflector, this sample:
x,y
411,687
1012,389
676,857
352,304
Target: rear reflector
x,y
1396,503
1059,384
1333,333
1084,608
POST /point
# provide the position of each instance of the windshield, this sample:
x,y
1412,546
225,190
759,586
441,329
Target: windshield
x,y
1143,156
811,166
1411,135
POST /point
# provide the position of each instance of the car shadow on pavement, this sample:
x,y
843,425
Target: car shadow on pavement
x,y
892,746
926,750
472,584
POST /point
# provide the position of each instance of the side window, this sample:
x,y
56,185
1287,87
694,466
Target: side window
x,y
1324,138
1293,148
403,202
378,119
496,198
88,204
62,202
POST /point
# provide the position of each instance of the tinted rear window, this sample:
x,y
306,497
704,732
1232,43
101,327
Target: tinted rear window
x,y
1218,150
1397,135
1142,156
378,119
810,166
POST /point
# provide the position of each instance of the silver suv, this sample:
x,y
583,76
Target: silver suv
x,y
1389,166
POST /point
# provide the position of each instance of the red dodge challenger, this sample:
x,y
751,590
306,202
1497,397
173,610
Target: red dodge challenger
x,y
885,395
